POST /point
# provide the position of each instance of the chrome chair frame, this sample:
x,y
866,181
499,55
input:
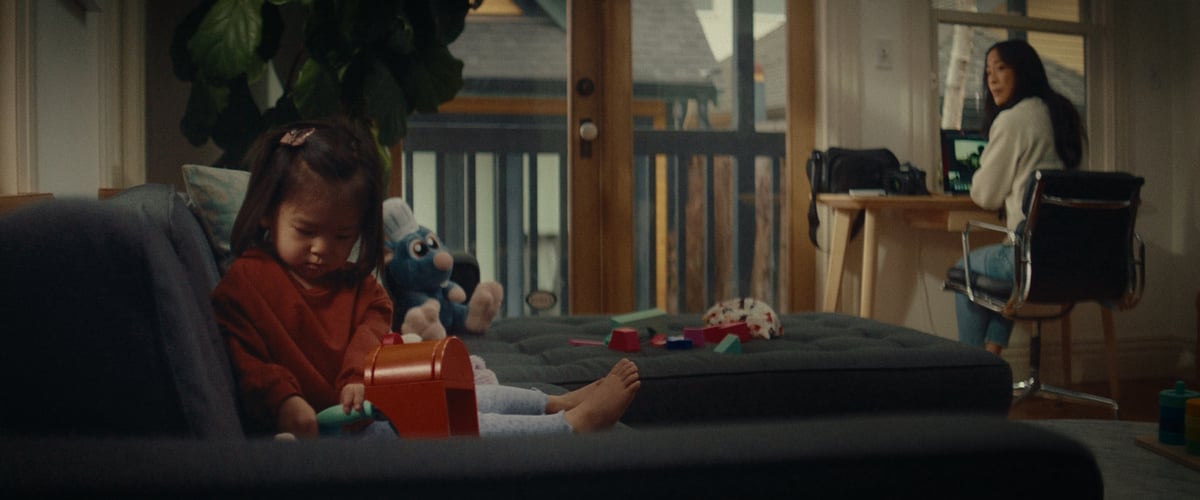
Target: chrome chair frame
x,y
1018,304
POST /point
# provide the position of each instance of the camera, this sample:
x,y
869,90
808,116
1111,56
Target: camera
x,y
908,180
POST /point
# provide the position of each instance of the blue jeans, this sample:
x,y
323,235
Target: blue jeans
x,y
977,324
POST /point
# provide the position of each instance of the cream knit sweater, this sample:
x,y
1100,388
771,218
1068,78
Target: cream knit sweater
x,y
1021,140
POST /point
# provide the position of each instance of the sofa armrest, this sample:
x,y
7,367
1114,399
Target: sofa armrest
x,y
865,457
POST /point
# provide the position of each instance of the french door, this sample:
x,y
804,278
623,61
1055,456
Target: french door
x,y
614,155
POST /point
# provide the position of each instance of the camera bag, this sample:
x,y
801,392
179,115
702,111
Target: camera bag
x,y
839,170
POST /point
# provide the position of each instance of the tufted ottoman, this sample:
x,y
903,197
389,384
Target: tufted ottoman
x,y
825,364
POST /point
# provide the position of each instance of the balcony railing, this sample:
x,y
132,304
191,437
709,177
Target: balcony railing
x,y
708,217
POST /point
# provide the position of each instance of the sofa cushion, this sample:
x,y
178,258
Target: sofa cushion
x,y
215,195
825,364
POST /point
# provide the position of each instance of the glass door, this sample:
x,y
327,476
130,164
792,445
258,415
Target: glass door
x,y
488,171
605,157
714,193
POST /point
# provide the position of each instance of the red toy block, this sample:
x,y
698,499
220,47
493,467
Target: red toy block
x,y
658,340
696,335
391,339
624,340
717,333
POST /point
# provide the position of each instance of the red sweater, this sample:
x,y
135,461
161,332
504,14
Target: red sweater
x,y
285,340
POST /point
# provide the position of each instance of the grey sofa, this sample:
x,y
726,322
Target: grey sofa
x,y
119,386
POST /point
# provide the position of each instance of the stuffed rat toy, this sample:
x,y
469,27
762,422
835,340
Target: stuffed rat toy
x,y
417,277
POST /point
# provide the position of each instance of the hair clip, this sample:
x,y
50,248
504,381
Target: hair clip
x,y
296,136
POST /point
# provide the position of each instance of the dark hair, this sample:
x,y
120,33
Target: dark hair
x,y
1029,80
308,160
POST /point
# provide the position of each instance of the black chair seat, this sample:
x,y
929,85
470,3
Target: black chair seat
x,y
1076,244
956,277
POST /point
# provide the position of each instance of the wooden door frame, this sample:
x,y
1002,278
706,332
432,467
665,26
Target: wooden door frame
x,y
600,181
600,193
801,120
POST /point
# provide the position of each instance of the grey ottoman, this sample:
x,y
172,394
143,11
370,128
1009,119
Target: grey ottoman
x,y
825,364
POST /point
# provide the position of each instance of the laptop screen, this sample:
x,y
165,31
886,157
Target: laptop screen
x,y
960,159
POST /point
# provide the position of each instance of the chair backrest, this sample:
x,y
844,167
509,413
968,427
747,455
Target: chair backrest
x,y
1078,242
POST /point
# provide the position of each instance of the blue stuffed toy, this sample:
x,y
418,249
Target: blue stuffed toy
x,y
426,302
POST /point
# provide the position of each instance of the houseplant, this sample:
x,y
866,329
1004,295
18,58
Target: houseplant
x,y
373,61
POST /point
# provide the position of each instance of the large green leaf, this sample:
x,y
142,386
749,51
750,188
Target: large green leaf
x,y
316,93
238,124
272,31
283,113
449,18
204,104
327,31
181,57
399,39
226,42
433,76
384,101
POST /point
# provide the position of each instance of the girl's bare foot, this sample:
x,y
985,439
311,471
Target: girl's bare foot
x,y
607,400
564,402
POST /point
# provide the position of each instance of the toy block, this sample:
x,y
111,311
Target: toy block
x,y
426,389
391,339
731,344
678,343
653,319
696,335
716,333
658,340
625,340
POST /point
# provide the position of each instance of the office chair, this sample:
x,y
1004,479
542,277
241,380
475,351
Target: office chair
x,y
1077,244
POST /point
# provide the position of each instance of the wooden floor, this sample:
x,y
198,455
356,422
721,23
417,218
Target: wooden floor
x,y
1139,402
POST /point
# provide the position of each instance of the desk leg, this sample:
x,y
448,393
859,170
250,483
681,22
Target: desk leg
x,y
870,252
837,258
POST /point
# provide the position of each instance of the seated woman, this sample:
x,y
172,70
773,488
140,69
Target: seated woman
x,y
1029,126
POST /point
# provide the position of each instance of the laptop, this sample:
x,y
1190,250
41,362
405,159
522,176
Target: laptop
x,y
961,150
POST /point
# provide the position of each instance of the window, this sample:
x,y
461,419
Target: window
x,y
967,28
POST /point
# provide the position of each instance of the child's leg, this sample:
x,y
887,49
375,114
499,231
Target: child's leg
x,y
509,400
598,406
495,424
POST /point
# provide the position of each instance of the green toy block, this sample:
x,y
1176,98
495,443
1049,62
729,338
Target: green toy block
x,y
731,344
654,319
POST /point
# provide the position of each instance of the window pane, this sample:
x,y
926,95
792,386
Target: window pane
x,y
707,214
487,171
768,78
1062,55
1058,10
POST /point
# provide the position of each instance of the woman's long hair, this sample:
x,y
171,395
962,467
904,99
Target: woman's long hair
x,y
1029,80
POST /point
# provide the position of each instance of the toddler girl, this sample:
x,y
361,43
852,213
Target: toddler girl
x,y
301,307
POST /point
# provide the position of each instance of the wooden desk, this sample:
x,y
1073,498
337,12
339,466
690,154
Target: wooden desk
x,y
935,212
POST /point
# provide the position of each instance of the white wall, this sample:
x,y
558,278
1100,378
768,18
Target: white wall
x,y
1156,127
67,110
